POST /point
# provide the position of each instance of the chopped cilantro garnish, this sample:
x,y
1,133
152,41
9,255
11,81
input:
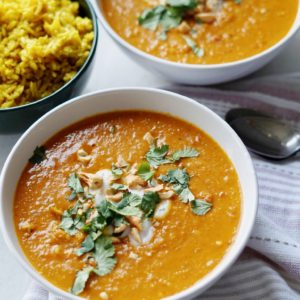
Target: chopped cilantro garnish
x,y
200,207
100,217
75,185
192,44
149,202
117,172
186,152
86,246
104,255
167,16
119,187
39,154
145,172
156,156
179,179
81,279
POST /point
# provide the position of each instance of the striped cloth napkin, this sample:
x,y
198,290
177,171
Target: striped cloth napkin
x,y
269,267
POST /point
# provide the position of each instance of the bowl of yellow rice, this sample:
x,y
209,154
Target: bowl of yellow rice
x,y
46,50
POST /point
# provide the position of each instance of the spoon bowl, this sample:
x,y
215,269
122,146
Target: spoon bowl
x,y
263,134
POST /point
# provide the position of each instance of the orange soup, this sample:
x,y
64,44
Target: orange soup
x,y
127,205
201,32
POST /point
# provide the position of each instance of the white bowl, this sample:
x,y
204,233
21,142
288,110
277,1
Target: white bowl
x,y
130,99
198,74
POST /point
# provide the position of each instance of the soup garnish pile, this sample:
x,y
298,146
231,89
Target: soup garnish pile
x,y
114,203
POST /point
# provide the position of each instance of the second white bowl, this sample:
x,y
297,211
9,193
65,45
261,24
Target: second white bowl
x,y
198,74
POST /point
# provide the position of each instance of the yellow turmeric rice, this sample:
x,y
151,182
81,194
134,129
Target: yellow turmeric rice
x,y
43,43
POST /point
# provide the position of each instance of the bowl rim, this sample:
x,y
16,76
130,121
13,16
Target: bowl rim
x,y
292,31
192,290
82,69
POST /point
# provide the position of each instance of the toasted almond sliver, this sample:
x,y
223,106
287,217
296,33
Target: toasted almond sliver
x,y
83,156
120,229
136,235
132,180
206,17
166,195
104,296
156,188
148,138
184,27
94,181
133,170
121,163
115,198
115,240
135,221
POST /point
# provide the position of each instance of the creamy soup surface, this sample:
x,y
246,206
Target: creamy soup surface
x,y
210,31
156,251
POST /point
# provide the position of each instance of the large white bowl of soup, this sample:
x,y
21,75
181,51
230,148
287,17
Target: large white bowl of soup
x,y
200,42
128,194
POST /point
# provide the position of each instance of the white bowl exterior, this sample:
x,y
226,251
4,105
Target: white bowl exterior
x,y
198,74
130,99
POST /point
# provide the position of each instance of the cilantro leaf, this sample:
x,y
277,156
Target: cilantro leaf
x,y
129,199
80,281
119,187
185,152
167,16
39,154
86,246
192,44
104,255
170,19
150,18
117,172
200,207
126,211
103,208
183,3
156,156
179,179
145,172
75,185
186,195
67,223
177,176
149,202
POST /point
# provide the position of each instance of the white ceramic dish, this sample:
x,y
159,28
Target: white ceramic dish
x,y
198,74
128,99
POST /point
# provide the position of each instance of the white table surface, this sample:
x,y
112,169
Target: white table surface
x,y
112,69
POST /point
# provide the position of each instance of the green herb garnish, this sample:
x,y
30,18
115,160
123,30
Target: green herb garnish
x,y
167,16
75,185
117,172
149,202
144,171
103,254
184,153
86,246
179,179
156,156
119,187
81,279
39,154
200,207
192,44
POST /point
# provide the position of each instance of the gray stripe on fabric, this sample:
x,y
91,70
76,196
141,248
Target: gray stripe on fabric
x,y
261,285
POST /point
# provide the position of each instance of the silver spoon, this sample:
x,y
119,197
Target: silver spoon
x,y
263,134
